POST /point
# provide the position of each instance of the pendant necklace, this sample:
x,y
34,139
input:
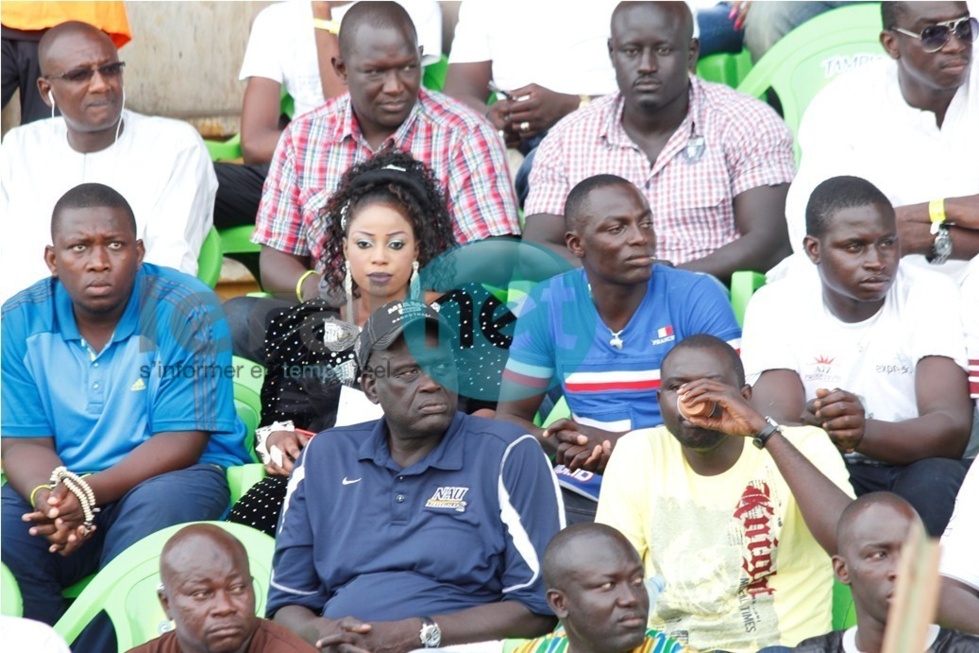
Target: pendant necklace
x,y
616,341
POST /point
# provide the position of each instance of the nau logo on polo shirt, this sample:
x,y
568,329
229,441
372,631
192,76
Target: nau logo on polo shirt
x,y
664,334
448,498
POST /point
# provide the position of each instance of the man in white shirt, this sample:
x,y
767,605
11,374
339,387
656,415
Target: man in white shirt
x,y
909,125
870,351
159,165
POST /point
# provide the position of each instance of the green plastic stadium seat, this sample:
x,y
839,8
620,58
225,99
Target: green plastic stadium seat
x,y
11,605
744,283
209,259
809,56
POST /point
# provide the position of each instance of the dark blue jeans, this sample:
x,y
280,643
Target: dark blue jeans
x,y
930,485
197,493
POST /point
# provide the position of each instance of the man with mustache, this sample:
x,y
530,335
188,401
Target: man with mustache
x,y
870,351
713,164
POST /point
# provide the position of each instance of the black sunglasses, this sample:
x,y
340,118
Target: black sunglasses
x,y
934,37
81,75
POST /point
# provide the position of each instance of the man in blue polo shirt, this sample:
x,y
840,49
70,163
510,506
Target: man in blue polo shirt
x,y
118,415
423,529
601,332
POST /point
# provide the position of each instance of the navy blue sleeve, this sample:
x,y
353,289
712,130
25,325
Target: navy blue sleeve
x,y
532,512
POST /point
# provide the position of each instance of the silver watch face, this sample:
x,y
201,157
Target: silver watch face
x,y
430,635
942,248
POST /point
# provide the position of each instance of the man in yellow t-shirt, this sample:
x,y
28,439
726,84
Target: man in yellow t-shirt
x,y
738,531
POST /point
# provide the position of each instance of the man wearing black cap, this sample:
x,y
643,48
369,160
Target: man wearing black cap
x,y
424,528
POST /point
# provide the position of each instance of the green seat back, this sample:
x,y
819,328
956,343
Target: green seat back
x,y
209,259
844,610
126,587
224,150
237,240
242,478
744,283
248,398
434,75
809,56
724,68
11,605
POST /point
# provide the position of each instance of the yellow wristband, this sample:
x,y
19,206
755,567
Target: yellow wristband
x,y
35,490
936,210
331,26
299,284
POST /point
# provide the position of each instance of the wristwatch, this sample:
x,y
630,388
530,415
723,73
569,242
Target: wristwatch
x,y
942,248
771,427
430,634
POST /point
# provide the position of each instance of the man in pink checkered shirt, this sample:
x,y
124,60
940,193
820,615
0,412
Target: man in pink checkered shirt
x,y
380,62
715,165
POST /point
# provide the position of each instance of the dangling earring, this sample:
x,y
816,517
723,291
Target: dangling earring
x,y
348,289
414,274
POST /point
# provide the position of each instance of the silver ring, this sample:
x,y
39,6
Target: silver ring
x,y
525,126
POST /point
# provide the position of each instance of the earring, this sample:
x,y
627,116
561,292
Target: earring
x,y
348,290
414,272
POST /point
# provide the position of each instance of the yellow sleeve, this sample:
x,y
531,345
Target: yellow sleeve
x,y
622,503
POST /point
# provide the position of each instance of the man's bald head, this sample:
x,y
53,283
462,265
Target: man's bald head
x,y
845,529
377,15
574,544
192,541
577,206
50,43
679,13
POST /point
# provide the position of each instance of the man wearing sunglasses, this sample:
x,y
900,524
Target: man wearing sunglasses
x,y
159,165
909,124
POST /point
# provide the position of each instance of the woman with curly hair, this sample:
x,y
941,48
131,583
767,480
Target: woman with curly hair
x,y
386,221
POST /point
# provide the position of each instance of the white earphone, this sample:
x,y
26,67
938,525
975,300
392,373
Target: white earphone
x,y
51,99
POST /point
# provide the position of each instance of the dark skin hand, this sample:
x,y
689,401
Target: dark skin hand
x,y
291,443
840,414
537,105
572,444
580,446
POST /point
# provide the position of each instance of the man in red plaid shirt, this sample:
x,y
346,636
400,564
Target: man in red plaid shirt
x,y
380,62
715,165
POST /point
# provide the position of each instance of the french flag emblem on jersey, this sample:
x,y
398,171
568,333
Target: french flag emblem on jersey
x,y
665,332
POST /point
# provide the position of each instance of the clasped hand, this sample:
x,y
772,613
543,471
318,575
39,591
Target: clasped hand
x,y
840,414
58,518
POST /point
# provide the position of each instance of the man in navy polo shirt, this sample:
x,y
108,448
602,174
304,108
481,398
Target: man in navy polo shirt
x,y
118,414
422,529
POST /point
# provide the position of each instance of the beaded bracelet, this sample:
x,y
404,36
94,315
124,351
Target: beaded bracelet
x,y
81,489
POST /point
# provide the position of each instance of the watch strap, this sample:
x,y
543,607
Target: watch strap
x,y
766,433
